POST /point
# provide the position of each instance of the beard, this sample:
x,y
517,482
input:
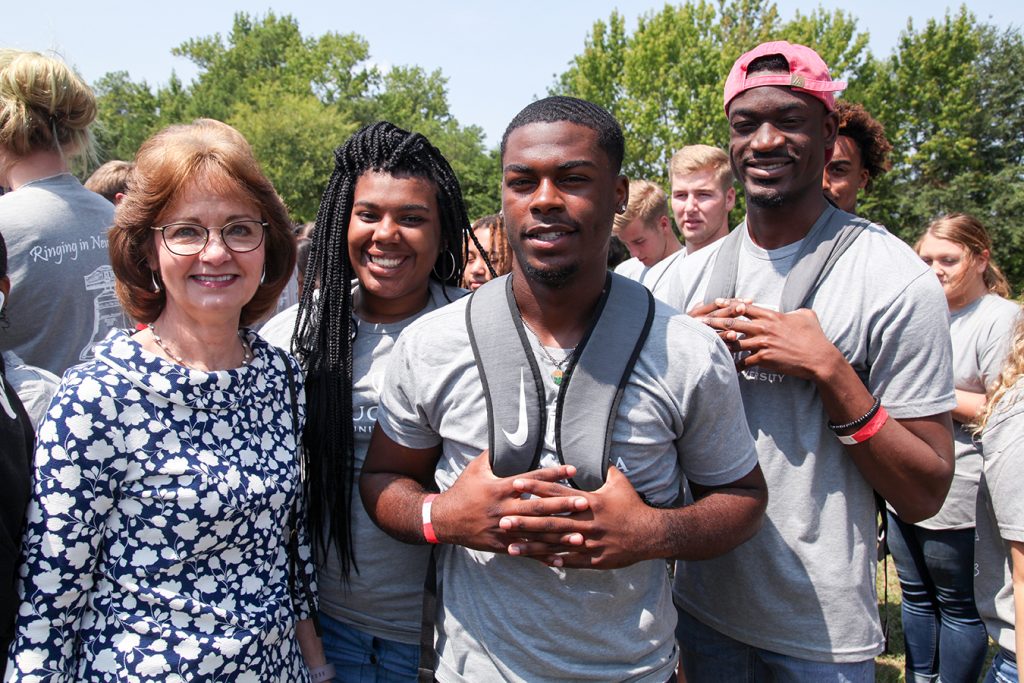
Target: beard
x,y
552,277
766,198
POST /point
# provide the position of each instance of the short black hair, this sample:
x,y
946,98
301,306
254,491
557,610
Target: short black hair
x,y
582,113
768,64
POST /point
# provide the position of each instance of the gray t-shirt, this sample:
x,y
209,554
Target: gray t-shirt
x,y
62,299
654,278
686,276
804,586
981,335
511,618
1000,516
385,597
34,386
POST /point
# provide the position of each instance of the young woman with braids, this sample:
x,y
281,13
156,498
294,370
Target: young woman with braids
x,y
392,220
999,543
494,258
935,558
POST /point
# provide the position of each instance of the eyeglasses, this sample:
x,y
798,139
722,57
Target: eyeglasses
x,y
188,239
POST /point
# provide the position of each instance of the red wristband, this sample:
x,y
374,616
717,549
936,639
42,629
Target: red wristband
x,y
428,528
868,430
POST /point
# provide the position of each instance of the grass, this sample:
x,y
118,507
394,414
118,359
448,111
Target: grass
x,y
889,666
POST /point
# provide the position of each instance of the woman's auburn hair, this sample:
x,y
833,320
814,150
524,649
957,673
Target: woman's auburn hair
x,y
215,157
969,233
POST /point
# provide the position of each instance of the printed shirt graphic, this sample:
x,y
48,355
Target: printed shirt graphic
x,y
62,299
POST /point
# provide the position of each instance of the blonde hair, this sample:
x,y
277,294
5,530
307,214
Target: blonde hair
x,y
44,105
647,202
1013,370
695,158
969,233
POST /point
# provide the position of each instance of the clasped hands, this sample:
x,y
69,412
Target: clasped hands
x,y
790,343
534,516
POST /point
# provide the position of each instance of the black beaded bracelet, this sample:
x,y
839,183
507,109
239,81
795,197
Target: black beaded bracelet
x,y
860,421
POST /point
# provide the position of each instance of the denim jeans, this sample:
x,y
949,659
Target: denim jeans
x,y
359,657
710,657
1004,668
943,633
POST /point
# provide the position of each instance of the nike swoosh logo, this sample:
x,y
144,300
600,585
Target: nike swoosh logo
x,y
518,438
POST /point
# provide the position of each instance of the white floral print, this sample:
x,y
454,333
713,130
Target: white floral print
x,y
156,543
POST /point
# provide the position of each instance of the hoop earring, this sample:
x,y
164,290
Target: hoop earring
x,y
263,276
451,272
156,287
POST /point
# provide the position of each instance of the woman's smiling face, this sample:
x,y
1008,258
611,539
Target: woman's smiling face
x,y
394,237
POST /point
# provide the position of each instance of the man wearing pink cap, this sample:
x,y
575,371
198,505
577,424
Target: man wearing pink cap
x,y
841,341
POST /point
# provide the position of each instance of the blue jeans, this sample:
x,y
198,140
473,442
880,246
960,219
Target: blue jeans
x,y
708,656
943,633
1004,668
359,657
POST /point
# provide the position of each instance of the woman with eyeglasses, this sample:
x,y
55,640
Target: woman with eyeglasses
x,y
165,537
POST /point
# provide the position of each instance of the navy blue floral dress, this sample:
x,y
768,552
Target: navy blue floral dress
x,y
156,546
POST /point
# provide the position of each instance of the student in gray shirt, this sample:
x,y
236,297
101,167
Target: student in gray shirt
x,y
392,220
840,336
561,584
56,230
999,548
934,558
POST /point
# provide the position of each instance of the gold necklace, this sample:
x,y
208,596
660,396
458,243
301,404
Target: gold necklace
x,y
559,372
246,354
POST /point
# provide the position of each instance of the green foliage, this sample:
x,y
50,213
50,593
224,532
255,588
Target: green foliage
x,y
295,99
953,107
949,97
664,81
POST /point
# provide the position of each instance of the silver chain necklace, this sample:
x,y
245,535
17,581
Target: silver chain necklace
x,y
246,353
559,372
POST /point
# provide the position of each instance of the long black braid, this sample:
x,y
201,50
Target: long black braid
x,y
325,328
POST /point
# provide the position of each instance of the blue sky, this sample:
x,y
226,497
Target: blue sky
x,y
497,56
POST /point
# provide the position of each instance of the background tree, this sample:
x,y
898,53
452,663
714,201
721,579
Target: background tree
x,y
948,95
953,107
295,98
664,81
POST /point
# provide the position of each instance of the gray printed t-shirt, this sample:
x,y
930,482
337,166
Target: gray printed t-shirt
x,y
804,586
1000,516
62,299
981,335
511,618
385,597
654,278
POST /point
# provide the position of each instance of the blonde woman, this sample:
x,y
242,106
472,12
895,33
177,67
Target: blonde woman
x,y
943,633
999,549
55,228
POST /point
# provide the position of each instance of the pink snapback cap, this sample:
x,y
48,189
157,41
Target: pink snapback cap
x,y
808,73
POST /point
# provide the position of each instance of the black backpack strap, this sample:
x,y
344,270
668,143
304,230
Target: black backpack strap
x,y
592,387
515,397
